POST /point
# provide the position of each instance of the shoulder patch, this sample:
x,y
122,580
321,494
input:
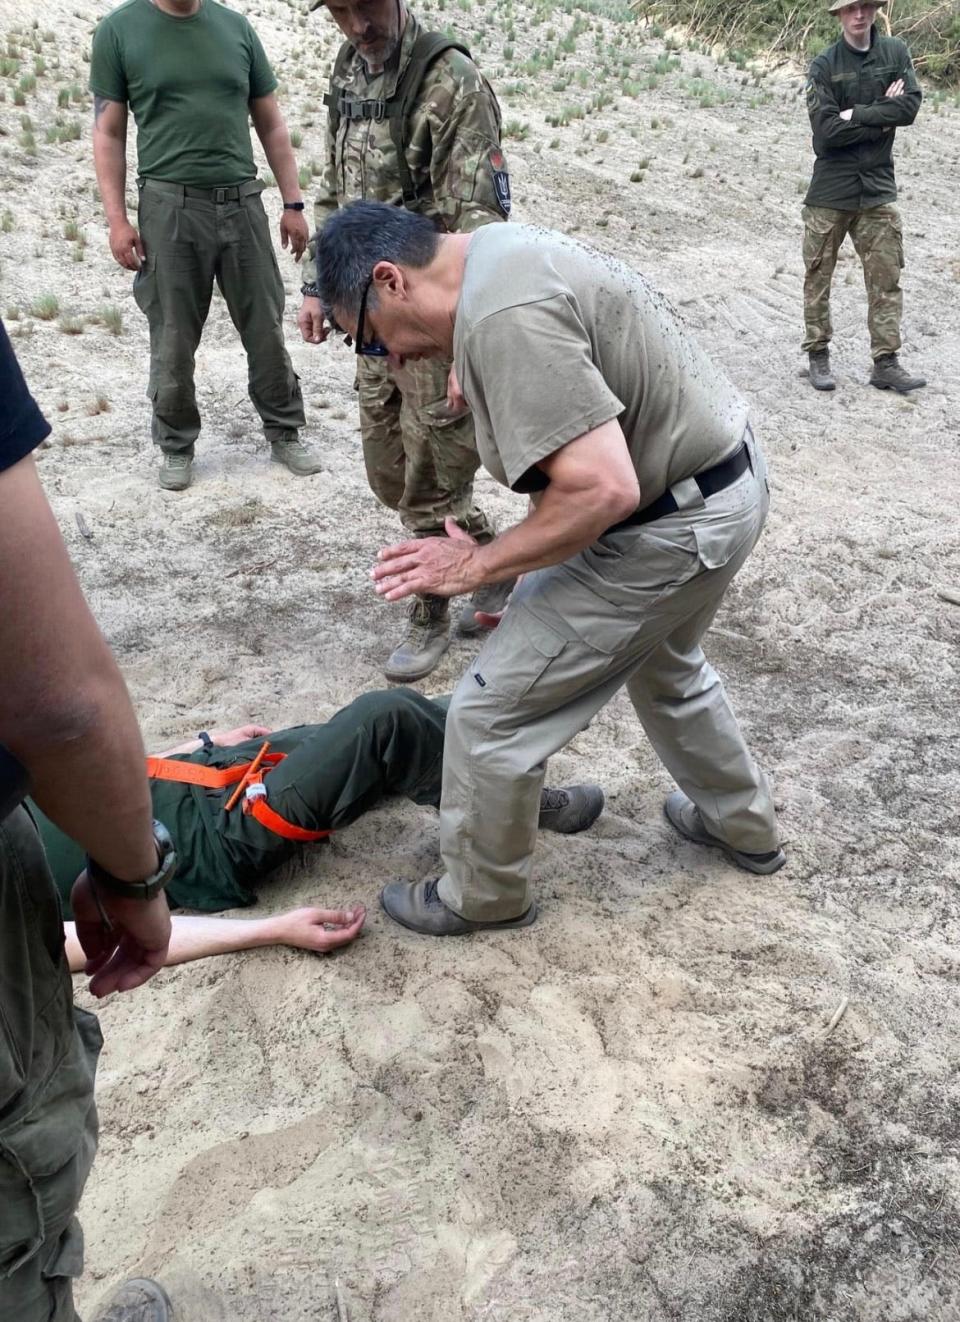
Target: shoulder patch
x,y
501,179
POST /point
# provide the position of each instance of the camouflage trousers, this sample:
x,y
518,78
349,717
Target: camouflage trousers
x,y
48,1122
878,239
191,240
419,462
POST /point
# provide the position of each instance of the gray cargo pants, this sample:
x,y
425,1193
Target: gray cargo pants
x,y
192,239
629,610
48,1054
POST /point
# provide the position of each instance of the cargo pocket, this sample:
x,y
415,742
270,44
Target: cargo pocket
x,y
518,653
817,237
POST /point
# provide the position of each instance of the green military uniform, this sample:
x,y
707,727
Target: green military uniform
x,y
48,1122
418,463
383,743
189,82
853,187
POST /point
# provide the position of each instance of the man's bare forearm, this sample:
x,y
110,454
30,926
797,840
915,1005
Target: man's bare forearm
x,y
556,528
64,709
283,163
110,163
195,938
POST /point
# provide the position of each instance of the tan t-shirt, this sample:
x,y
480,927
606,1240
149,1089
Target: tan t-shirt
x,y
553,338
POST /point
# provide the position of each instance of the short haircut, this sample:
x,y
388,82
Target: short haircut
x,y
358,236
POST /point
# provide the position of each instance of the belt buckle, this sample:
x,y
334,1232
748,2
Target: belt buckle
x,y
220,195
379,110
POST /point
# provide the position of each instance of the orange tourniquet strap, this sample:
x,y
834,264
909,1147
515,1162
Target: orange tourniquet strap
x,y
219,778
264,814
194,773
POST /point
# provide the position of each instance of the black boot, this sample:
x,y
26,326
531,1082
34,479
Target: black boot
x,y
821,377
887,374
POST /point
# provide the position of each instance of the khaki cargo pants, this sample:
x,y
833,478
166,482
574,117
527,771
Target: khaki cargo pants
x,y
191,239
630,610
418,462
878,239
48,1053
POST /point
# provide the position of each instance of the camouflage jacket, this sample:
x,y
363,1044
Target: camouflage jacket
x,y
453,145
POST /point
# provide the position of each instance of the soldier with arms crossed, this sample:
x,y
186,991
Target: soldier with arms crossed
x,y
859,91
414,123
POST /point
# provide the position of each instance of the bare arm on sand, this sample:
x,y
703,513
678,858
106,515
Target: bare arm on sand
x,y
319,930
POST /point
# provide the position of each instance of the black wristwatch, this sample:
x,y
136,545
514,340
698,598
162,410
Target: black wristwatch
x,y
139,890
310,289
293,206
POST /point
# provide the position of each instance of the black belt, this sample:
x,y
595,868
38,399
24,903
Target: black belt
x,y
232,193
710,481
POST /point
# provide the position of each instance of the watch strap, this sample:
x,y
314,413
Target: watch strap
x,y
150,886
294,206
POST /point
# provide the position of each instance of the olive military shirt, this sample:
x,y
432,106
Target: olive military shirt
x,y
189,82
854,165
552,339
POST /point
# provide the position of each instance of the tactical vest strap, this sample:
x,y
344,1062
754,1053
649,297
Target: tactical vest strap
x,y
427,48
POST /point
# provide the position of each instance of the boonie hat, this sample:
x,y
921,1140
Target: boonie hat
x,y
833,9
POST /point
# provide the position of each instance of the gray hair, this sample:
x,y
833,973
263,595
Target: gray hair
x,y
358,236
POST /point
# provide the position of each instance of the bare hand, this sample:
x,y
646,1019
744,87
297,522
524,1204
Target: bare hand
x,y
228,738
126,245
128,952
490,619
445,566
310,321
319,930
896,88
294,231
455,400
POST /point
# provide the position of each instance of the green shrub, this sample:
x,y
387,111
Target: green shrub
x,y
45,308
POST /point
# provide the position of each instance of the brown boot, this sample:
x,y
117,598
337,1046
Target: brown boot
x,y
887,374
428,637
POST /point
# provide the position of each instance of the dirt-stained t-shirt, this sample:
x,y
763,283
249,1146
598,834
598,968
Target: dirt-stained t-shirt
x,y
552,339
189,82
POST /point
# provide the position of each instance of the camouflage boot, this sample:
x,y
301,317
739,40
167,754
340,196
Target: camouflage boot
x,y
426,641
821,377
887,374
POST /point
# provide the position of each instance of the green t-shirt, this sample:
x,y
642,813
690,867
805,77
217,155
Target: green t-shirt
x,y
552,339
189,82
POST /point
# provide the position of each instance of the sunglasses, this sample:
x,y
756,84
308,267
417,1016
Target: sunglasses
x,y
372,349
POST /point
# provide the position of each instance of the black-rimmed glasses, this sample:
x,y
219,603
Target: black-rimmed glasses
x,y
373,349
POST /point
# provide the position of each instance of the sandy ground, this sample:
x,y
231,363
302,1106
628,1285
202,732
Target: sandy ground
x,y
634,1109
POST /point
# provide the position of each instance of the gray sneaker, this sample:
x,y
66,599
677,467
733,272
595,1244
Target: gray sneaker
x,y
419,907
821,378
296,456
887,374
570,810
137,1300
427,639
684,816
489,599
176,470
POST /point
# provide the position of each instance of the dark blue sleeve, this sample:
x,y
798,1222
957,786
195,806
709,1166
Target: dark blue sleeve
x,y
22,425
